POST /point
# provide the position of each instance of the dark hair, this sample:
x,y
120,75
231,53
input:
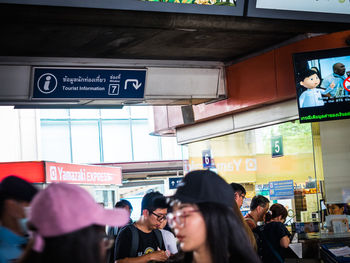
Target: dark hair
x,y
16,188
238,188
316,70
82,246
276,210
307,73
152,201
228,243
340,205
301,77
258,200
123,203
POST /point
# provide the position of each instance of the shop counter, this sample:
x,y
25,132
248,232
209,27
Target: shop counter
x,y
317,246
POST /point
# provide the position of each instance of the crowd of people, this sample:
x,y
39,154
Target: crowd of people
x,y
200,223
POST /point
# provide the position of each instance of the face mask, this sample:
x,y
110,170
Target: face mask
x,y
23,224
23,221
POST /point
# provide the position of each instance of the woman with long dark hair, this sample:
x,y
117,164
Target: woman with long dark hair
x,y
68,226
205,224
274,235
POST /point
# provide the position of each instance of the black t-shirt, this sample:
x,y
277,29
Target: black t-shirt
x,y
147,243
273,232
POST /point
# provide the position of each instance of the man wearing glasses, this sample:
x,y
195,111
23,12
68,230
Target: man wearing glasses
x,y
240,193
150,245
258,209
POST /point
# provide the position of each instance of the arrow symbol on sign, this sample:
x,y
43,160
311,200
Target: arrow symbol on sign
x,y
173,183
135,83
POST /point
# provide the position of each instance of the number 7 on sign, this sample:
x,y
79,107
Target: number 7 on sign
x,y
113,89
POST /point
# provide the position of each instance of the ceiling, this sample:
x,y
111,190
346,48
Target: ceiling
x,y
48,31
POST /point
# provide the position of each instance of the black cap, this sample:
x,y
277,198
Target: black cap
x,y
13,187
204,186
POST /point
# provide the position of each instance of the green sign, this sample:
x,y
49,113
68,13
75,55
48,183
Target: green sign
x,y
277,146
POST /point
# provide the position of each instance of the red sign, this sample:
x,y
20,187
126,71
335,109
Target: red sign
x,y
346,84
31,171
82,174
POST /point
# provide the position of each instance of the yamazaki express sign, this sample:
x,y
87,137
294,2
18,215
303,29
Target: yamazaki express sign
x,y
82,174
50,172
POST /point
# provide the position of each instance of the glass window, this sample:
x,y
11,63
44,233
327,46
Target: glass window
x,y
146,147
170,149
248,157
140,112
119,139
54,114
116,141
105,198
84,113
123,113
55,145
85,142
184,149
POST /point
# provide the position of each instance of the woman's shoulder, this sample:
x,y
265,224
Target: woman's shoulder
x,y
274,225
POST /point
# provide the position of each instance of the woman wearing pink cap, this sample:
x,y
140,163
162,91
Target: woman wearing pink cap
x,y
68,226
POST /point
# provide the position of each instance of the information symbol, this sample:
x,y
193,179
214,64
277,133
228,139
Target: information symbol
x,y
47,83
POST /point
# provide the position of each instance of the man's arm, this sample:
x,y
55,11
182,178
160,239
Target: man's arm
x,y
123,246
159,255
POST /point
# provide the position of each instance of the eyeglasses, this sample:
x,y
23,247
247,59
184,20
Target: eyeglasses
x,y
243,196
107,242
160,218
179,217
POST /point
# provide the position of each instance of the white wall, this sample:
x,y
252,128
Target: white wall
x,y
18,135
335,143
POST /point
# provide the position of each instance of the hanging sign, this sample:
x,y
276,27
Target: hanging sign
x,y
88,83
277,146
206,156
174,181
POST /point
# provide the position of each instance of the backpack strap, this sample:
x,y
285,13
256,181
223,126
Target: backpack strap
x,y
274,252
134,241
159,237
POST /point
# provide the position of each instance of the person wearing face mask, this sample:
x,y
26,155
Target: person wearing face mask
x,y
69,226
15,196
205,224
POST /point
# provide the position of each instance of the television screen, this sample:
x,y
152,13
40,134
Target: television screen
x,y
322,80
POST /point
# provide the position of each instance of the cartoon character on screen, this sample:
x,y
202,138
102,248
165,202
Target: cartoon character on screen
x,y
312,95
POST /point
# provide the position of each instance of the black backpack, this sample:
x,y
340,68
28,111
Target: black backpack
x,y
112,233
135,239
264,244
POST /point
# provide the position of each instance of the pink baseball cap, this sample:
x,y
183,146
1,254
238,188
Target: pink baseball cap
x,y
64,208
